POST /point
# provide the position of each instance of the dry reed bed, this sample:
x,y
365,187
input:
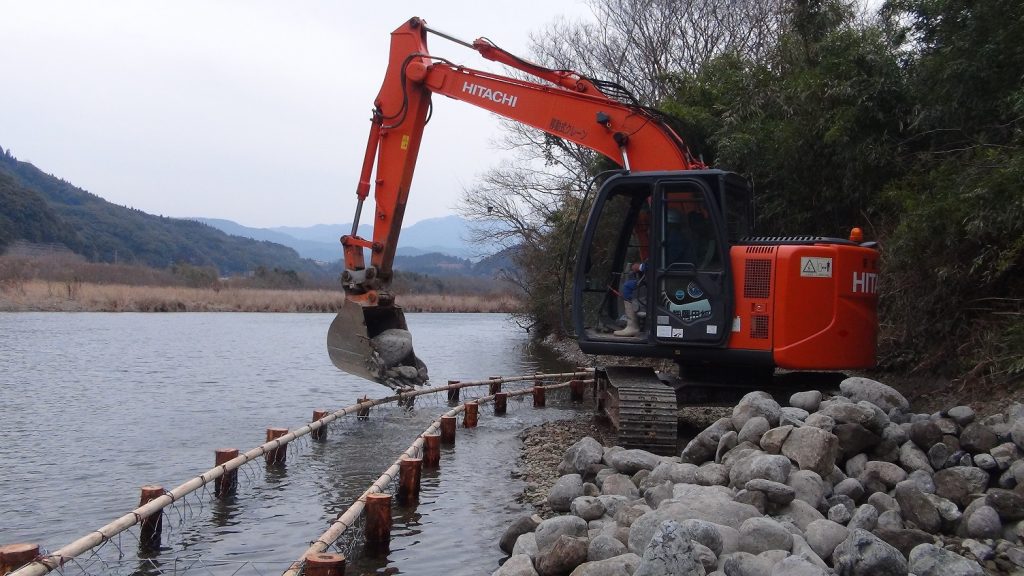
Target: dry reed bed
x,y
40,295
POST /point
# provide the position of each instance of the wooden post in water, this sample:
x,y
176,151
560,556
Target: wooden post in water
x,y
431,451
576,390
409,480
324,564
225,485
378,521
471,413
453,394
500,403
448,429
14,556
321,432
151,528
364,412
495,386
276,455
538,395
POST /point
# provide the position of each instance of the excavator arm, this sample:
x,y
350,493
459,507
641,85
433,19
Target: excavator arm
x,y
369,337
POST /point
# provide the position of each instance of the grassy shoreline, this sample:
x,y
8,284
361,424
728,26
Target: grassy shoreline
x,y
50,296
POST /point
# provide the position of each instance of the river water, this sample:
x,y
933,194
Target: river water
x,y
94,405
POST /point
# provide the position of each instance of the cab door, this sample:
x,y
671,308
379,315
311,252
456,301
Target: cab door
x,y
691,303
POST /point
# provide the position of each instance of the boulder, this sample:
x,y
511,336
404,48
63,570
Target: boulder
x,y
519,526
633,461
807,486
809,400
881,476
655,495
803,549
812,449
913,458
977,438
962,415
643,528
839,514
674,472
622,565
938,455
851,487
793,415
587,507
932,560
959,483
865,518
762,534
916,508
797,566
800,513
562,557
855,465
819,420
925,433
1005,454
854,438
566,489
889,520
921,479
711,474
670,552
905,540
620,485
824,535
883,502
746,564
984,523
550,530
864,554
775,492
1017,433
756,404
864,389
756,499
581,456
847,413
1007,503
767,466
753,429
516,565
526,544
771,441
603,547
703,445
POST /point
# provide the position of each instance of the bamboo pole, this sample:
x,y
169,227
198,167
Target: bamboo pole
x,y
61,556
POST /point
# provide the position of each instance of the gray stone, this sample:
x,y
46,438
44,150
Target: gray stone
x,y
797,566
519,526
883,502
775,492
602,474
800,513
626,515
746,564
756,499
890,520
581,456
670,552
768,466
1005,454
865,518
762,534
809,400
947,426
847,413
886,451
938,455
705,556
516,565
603,547
803,549
703,445
711,474
916,507
879,420
864,554
793,415
959,483
864,389
1017,433
855,465
925,433
948,511
807,486
632,461
913,458
1007,503
771,441
962,415
674,472
854,438
824,535
923,480
526,544
562,557
709,512
612,502
756,404
977,438
932,560
812,449
753,429
881,476
851,487
895,433
591,489
986,462
657,494
619,484
550,530
839,514
589,507
565,490
819,420
844,501
622,565
905,540
984,523
980,551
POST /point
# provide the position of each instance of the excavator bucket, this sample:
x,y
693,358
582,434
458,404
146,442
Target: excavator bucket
x,y
373,342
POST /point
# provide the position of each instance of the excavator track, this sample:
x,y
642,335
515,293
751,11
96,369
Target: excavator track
x,y
641,407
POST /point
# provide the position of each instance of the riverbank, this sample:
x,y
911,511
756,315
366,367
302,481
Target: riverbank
x,y
48,296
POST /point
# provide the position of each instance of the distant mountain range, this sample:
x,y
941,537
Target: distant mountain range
x,y
447,235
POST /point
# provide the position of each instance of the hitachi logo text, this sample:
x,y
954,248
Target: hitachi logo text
x,y
488,94
865,282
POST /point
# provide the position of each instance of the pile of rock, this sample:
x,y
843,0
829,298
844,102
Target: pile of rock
x,y
853,484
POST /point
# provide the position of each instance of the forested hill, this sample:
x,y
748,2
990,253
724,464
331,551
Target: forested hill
x,y
38,207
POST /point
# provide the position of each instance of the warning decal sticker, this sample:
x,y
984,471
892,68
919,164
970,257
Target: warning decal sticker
x,y
815,267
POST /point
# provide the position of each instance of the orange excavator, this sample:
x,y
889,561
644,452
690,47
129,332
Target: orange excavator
x,y
668,245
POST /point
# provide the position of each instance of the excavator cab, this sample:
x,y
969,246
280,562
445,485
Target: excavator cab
x,y
659,241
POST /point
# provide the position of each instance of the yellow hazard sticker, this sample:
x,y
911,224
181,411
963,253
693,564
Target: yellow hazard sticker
x,y
405,142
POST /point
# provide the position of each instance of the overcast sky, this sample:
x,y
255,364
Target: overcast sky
x,y
252,111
